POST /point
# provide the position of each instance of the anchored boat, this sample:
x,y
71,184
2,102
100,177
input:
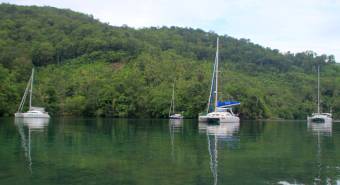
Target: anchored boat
x,y
33,112
217,111
172,114
320,117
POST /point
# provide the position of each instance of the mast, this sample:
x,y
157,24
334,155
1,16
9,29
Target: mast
x,y
172,104
214,79
211,87
318,89
173,97
31,90
216,76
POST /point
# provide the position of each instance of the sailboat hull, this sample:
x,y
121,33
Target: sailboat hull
x,y
218,117
176,116
320,118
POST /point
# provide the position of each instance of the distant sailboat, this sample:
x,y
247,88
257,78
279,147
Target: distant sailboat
x,y
320,117
33,112
172,114
218,112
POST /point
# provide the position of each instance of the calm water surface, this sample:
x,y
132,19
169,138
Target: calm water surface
x,y
147,152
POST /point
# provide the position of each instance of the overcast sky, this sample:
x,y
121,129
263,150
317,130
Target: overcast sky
x,y
287,25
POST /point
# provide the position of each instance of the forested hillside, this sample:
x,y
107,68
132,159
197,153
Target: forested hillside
x,y
88,68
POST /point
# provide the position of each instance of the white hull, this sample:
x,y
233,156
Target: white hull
x,y
31,115
176,116
320,118
222,117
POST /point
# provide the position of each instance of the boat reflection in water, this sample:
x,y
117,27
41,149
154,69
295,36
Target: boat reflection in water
x,y
324,129
32,125
175,126
224,133
320,129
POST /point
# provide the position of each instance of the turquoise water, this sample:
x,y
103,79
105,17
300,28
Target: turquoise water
x,y
109,151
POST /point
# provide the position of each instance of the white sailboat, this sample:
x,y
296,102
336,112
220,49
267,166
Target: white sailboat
x,y
172,114
218,112
320,117
33,112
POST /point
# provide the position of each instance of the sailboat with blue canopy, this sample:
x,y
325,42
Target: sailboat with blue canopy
x,y
218,111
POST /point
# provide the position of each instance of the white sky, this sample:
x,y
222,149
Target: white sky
x,y
287,25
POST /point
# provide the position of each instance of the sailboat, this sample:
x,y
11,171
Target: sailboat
x,y
218,112
320,117
33,112
172,114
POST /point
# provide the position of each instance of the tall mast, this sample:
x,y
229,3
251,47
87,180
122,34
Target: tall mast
x,y
31,90
211,88
173,97
216,75
318,89
172,104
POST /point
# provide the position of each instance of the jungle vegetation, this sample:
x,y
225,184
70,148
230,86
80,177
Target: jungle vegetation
x,y
88,68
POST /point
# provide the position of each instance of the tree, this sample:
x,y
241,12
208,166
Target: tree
x,y
43,54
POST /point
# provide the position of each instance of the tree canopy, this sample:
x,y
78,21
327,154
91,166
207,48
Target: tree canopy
x,y
89,68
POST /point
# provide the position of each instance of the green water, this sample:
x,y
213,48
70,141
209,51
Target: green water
x,y
108,151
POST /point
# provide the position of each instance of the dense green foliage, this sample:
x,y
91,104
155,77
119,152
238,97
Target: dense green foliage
x,y
85,67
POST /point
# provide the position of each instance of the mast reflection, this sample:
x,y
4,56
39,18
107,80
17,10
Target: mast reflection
x,y
223,133
320,129
32,125
175,126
